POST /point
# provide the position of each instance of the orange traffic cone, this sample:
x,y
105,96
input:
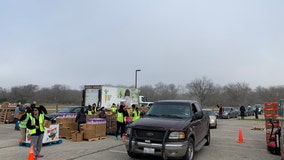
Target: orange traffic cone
x,y
31,154
240,140
124,138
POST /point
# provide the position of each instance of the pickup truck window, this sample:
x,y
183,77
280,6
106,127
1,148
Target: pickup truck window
x,y
169,110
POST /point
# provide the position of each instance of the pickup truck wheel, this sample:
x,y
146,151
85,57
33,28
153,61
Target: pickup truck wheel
x,y
189,155
132,155
208,138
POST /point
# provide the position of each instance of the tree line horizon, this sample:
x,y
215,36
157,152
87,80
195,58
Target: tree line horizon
x,y
202,90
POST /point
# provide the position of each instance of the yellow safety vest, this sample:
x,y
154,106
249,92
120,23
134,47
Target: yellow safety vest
x,y
90,112
120,117
23,123
95,109
136,115
33,123
113,109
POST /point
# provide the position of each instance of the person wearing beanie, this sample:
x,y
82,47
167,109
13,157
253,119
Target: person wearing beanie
x,y
121,120
35,125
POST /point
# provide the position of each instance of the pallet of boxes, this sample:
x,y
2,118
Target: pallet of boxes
x,y
94,129
68,127
110,122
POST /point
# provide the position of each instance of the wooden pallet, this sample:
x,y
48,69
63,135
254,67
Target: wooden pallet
x,y
95,139
3,114
62,137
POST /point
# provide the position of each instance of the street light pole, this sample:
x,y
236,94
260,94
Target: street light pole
x,y
137,70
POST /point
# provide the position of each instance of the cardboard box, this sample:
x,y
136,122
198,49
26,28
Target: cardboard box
x,y
65,120
94,130
89,134
46,123
77,136
65,132
101,130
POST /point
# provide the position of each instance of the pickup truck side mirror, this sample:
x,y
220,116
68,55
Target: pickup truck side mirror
x,y
198,115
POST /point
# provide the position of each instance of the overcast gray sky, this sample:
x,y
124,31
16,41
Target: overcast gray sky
x,y
75,43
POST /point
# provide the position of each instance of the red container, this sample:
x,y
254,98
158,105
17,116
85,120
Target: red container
x,y
270,104
271,110
269,126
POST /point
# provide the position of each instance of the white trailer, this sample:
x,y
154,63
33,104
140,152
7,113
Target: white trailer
x,y
105,96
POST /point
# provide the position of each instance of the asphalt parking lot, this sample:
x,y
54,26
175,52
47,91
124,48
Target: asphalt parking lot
x,y
223,145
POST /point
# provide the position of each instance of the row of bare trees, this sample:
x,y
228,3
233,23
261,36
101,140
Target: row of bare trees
x,y
200,89
210,94
57,94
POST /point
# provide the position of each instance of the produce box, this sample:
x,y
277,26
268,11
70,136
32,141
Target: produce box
x,y
94,130
77,136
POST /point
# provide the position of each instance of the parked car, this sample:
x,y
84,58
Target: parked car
x,y
260,108
69,109
249,111
212,116
230,112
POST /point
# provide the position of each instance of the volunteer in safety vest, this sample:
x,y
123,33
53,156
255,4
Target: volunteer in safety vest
x,y
121,115
113,107
94,109
89,111
23,122
35,124
136,113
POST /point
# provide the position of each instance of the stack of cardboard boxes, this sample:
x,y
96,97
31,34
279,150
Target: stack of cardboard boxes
x,y
110,123
66,127
94,130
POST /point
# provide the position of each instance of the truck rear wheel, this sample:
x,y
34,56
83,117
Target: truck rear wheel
x,y
189,155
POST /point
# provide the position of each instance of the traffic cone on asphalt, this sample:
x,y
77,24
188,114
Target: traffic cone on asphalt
x,y
31,154
240,139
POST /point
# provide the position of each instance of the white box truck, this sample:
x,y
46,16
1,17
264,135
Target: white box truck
x,y
105,96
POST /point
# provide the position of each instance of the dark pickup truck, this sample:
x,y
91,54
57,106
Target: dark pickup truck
x,y
170,129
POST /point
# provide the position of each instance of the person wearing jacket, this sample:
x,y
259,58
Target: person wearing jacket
x,y
23,122
136,113
35,125
80,118
121,114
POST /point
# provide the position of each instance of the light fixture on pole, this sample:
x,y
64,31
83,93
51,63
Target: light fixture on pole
x,y
137,70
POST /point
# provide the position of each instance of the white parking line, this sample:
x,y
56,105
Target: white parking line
x,y
244,147
117,151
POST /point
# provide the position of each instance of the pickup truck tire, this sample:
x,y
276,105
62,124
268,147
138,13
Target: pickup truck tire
x,y
189,155
208,138
132,155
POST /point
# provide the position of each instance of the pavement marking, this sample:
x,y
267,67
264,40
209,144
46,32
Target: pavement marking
x,y
116,151
243,147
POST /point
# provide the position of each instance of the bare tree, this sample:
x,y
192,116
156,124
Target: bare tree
x,y
3,95
23,93
270,94
164,91
200,89
148,92
237,93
